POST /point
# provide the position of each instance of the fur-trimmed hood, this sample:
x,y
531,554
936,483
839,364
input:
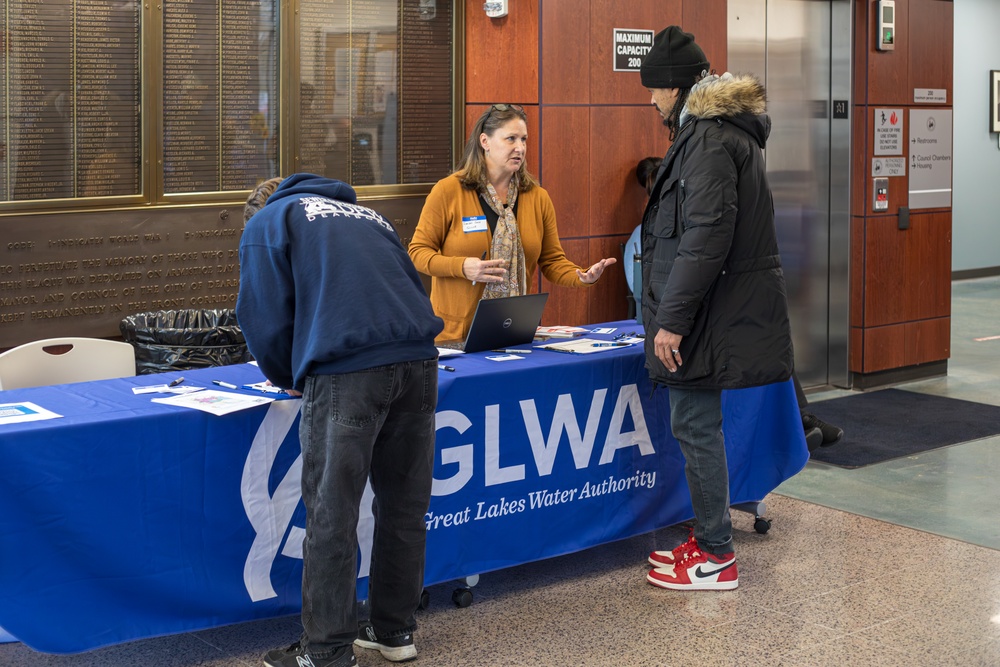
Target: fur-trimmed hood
x,y
737,98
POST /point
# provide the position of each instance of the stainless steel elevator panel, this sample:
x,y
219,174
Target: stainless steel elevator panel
x,y
801,51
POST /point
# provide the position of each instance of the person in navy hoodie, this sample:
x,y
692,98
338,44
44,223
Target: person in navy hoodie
x,y
333,310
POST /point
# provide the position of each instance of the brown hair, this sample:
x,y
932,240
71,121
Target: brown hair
x,y
259,196
471,169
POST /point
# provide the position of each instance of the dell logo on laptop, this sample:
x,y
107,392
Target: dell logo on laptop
x,y
507,322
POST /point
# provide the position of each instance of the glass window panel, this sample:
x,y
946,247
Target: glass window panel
x,y
376,90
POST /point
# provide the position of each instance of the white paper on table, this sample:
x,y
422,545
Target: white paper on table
x,y
215,402
165,389
604,330
584,346
448,352
506,357
15,413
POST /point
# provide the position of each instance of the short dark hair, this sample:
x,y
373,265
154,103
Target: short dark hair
x,y
645,172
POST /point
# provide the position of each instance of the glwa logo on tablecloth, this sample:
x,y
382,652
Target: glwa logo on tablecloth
x,y
543,449
271,514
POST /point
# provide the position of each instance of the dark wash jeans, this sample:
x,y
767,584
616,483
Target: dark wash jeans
x,y
379,422
696,422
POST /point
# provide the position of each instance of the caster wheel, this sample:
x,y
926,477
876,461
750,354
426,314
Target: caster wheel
x,y
761,525
462,597
425,600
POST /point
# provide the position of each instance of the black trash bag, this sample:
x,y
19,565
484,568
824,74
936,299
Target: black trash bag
x,y
170,340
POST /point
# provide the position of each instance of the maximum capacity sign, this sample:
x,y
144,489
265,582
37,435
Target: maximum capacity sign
x,y
631,46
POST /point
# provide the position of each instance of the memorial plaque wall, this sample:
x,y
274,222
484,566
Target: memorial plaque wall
x,y
218,116
425,92
71,103
80,274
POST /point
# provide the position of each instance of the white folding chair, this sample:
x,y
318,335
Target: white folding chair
x,y
64,360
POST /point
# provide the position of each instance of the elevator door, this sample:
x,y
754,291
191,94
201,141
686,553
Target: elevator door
x,y
801,51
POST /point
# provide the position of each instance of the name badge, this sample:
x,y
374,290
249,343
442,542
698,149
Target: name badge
x,y
476,223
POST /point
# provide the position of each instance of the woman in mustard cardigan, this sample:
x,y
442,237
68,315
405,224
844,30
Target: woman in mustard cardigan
x,y
486,227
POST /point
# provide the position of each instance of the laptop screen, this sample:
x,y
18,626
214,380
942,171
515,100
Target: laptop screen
x,y
505,322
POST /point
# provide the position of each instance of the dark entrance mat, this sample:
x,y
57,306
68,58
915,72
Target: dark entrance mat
x,y
883,425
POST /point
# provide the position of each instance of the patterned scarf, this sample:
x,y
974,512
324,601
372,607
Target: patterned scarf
x,y
506,245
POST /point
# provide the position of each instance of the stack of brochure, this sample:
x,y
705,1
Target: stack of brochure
x,y
545,333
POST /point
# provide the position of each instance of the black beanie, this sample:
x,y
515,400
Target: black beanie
x,y
675,61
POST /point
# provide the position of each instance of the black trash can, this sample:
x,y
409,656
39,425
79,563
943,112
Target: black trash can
x,y
170,340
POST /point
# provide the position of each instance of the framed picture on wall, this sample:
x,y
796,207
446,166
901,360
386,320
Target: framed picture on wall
x,y
995,100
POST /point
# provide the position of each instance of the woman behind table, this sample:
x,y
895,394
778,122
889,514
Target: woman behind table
x,y
486,227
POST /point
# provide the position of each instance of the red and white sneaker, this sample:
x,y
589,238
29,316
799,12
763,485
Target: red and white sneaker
x,y
668,558
698,571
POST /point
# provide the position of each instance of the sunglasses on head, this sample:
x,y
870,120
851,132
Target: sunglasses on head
x,y
517,108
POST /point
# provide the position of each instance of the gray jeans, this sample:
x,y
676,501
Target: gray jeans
x,y
696,422
377,422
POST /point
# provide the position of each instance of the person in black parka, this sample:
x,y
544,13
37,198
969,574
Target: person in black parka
x,y
714,304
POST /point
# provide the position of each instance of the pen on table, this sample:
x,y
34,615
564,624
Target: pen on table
x,y
609,345
446,368
483,258
513,350
227,385
176,382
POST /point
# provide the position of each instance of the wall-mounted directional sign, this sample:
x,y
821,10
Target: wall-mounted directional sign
x,y
930,158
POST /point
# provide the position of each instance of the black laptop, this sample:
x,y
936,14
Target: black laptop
x,y
502,322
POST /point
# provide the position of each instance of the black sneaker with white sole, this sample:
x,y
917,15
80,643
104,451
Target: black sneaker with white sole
x,y
394,649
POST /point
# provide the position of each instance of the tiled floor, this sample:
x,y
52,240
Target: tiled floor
x,y
908,575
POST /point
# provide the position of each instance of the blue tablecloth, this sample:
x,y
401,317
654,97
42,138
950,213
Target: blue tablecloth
x,y
127,519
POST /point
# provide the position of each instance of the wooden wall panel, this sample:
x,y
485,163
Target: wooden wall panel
x,y
857,272
565,56
618,135
860,176
927,266
855,350
888,71
884,348
885,263
606,85
927,340
565,173
501,55
473,111
609,297
568,305
861,47
707,20
931,58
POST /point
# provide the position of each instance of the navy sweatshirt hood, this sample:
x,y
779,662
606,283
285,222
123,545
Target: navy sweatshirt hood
x,y
311,184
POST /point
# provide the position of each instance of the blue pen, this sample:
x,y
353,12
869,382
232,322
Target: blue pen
x,y
446,368
609,345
